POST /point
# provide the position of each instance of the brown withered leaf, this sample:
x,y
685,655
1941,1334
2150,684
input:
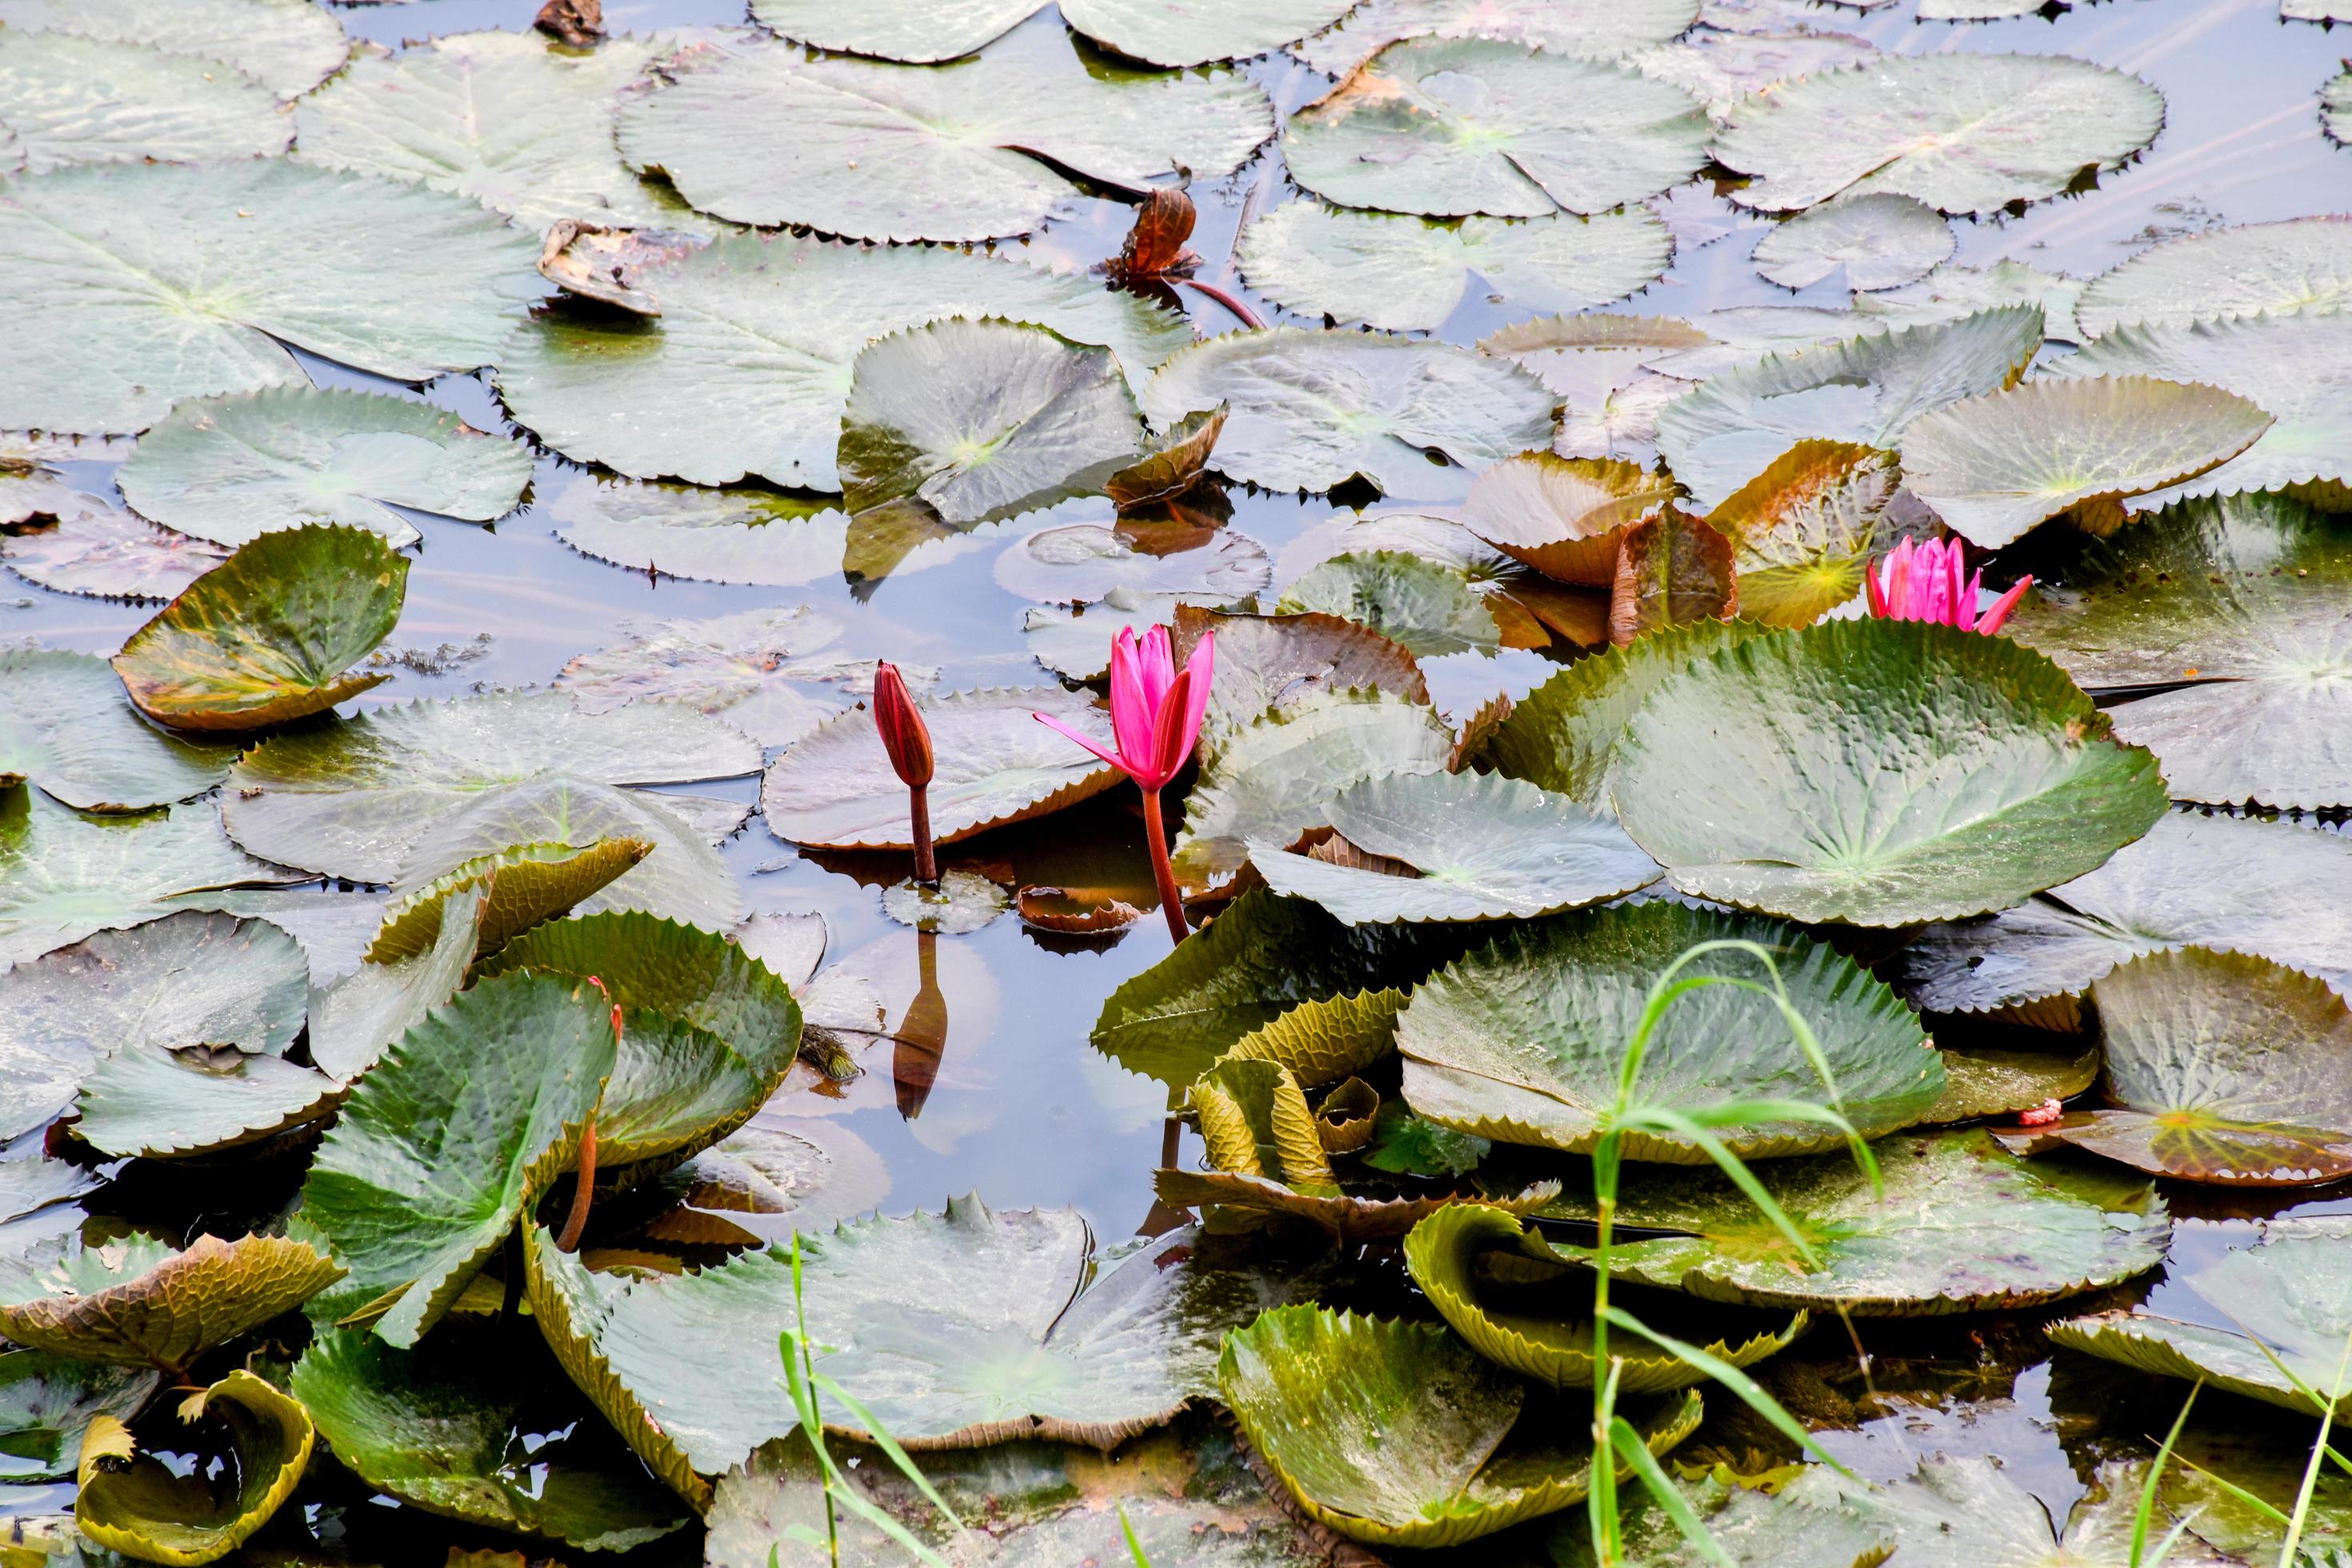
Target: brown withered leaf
x,y
1154,248
1579,614
607,264
1075,911
1334,850
1174,465
1482,724
1344,1120
1671,568
579,22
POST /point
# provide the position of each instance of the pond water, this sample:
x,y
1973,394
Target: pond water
x,y
1010,1100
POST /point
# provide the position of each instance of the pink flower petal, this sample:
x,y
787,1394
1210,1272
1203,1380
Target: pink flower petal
x,y
1991,620
1053,723
1130,707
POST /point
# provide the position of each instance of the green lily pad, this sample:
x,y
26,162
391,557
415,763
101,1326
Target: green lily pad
x,y
1456,126
353,799
505,119
1719,67
1309,410
466,1432
1266,663
749,368
1962,1227
1276,778
521,886
287,45
63,876
771,1177
835,787
1999,782
232,469
1087,562
1405,274
1546,1333
105,553
188,979
2222,1068
452,1135
1199,31
2251,270
2283,1296
1995,466
1753,1527
983,420
762,133
1240,1201
46,1400
1565,517
1603,29
1983,1080
2293,366
1412,601
1803,531
148,1509
67,99
2272,888
63,725
1524,1039
37,1193
2237,606
1882,241
1482,848
676,1090
1255,1122
1963,133
140,1302
269,636
1866,389
393,279
758,668
155,1102
1327,1040
360,1014
721,536
1951,291
1451,1464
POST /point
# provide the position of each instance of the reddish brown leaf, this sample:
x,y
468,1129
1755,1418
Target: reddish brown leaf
x,y
1155,246
1670,569
579,22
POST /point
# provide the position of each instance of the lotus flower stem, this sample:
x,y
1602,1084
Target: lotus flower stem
x,y
1247,317
1171,898
906,741
584,1189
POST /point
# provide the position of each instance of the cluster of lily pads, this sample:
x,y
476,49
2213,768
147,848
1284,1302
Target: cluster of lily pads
x,y
464,983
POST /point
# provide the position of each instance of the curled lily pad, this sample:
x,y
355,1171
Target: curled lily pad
x,y
2008,781
233,259
982,420
2221,1068
1405,274
1068,911
1672,569
1528,1333
2283,1300
270,635
1962,1227
1452,1462
1803,531
2250,269
448,1138
1240,1200
1346,1119
1456,126
232,469
106,553
1089,561
356,1016
1882,240
144,1302
1564,517
1329,1039
722,536
67,99
1481,846
466,1432
46,1400
1604,29
64,726
521,886
144,1509
835,787
1308,410
760,668
353,799
760,132
157,1102
1524,1039
1995,466
1964,133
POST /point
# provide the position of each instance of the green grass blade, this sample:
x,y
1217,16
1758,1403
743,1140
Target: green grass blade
x,y
889,1445
1750,1392
2147,1488
1644,1466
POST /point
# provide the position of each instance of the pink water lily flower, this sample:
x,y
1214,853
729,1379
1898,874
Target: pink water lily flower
x,y
1929,582
1155,718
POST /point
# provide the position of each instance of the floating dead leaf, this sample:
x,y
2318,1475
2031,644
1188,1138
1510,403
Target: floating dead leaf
x,y
1075,911
1154,248
1174,466
579,22
1344,1120
608,264
1671,568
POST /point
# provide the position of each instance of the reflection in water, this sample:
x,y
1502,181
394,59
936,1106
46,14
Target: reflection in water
x,y
921,1037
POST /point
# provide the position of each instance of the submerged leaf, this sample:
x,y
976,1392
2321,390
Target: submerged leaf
x,y
47,1401
1412,601
1882,240
756,667
138,1301
147,1510
1087,562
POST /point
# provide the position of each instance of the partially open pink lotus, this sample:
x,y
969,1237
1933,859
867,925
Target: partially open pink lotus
x,y
1929,582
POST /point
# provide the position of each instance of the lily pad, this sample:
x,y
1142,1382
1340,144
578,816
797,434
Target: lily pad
x,y
1481,846
1866,389
231,469
1803,532
1963,133
393,279
1309,410
1405,274
771,1177
1882,240
36,1193
46,1400
1326,1040
287,45
63,725
521,886
1719,67
466,1432
752,536
1565,517
836,788
2336,109
1995,466
982,420
1266,663
1451,1464
748,370
355,798
1983,1080
158,1102
761,133
2272,889
1672,569
1412,601
140,1302
1255,1122
2282,1297
916,31
105,553
1524,1039
1753,1527
2235,610
148,1509
1999,779
353,1020
1603,29
1951,291
449,1137
1240,1201
67,99
1088,563
270,635
757,668
1962,1227
1451,127
2251,270
1526,1331
1199,31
